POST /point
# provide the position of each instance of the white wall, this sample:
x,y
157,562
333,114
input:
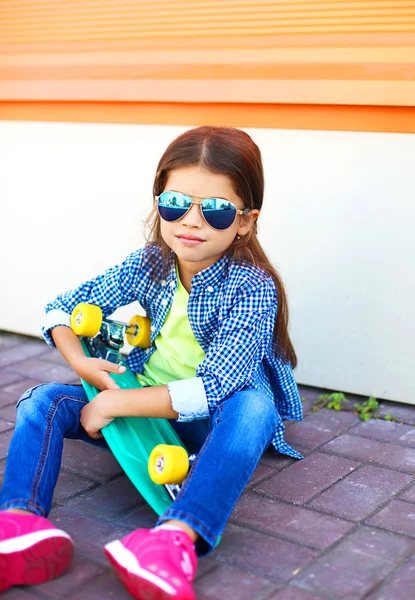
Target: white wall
x,y
337,222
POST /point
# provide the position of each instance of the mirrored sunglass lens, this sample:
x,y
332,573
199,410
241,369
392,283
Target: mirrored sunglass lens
x,y
173,206
219,213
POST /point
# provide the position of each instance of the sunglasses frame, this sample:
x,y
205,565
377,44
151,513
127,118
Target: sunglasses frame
x,y
238,211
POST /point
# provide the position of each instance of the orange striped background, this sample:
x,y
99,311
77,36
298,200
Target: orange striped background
x,y
297,64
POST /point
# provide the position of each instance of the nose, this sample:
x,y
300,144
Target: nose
x,y
193,218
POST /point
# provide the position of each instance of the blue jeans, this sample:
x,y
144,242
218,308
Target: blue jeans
x,y
229,446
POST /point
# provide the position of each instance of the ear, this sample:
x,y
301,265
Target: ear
x,y
247,221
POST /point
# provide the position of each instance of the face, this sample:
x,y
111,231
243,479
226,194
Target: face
x,y
195,243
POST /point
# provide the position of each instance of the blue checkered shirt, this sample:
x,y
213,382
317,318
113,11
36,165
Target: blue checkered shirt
x,y
231,309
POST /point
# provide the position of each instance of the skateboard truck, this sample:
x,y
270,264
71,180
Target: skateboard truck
x,y
105,337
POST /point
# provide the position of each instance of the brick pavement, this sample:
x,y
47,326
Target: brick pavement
x,y
339,524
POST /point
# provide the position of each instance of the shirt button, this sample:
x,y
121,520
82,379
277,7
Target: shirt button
x,y
147,350
163,282
164,302
152,328
172,284
209,288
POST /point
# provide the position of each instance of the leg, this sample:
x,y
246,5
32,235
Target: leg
x,y
243,427
192,433
32,550
161,562
45,415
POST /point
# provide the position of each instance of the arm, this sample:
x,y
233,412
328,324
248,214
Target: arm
x,y
151,402
231,359
118,286
235,353
93,370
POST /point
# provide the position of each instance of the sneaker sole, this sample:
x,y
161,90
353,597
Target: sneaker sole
x,y
34,558
141,584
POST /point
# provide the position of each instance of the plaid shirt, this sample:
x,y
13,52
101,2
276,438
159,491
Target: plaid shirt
x,y
231,309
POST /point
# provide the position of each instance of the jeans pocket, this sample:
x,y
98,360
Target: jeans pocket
x,y
28,393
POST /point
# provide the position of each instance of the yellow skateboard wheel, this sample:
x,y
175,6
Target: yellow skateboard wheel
x,y
168,464
86,319
141,336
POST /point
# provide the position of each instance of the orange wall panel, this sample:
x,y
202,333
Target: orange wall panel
x,y
291,58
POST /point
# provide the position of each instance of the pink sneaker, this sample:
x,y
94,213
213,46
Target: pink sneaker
x,y
32,550
155,564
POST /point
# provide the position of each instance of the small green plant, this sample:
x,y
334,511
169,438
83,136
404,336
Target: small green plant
x,y
367,409
335,400
389,417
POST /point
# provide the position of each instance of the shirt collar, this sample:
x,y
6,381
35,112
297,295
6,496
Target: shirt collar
x,y
209,276
213,274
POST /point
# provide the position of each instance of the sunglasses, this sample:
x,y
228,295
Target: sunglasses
x,y
217,212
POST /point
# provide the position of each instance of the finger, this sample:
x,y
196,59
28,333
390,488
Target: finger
x,y
108,383
110,367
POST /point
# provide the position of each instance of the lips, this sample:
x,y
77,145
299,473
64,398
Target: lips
x,y
190,240
190,237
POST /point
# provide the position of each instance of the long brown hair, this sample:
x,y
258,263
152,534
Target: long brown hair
x,y
231,152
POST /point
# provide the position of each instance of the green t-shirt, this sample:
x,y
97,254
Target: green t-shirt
x,y
178,353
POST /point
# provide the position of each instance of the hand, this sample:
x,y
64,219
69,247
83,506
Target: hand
x,y
96,371
95,415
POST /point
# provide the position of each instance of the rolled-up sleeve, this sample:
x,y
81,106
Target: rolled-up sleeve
x,y
188,398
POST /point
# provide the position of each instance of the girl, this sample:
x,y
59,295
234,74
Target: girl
x,y
219,367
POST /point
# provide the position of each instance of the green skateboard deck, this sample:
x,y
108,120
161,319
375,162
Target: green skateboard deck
x,y
131,440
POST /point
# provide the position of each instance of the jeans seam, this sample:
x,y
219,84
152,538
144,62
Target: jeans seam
x,y
176,514
45,446
32,505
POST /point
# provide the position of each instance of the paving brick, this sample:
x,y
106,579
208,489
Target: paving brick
x,y
293,522
228,583
309,397
385,431
384,454
7,340
109,501
70,485
2,467
143,517
89,534
80,572
54,356
89,461
304,479
276,461
18,593
205,565
293,594
8,412
399,585
318,428
264,555
396,516
10,394
356,565
360,493
21,351
403,412
107,587
261,473
44,370
5,425
5,442
8,378
409,494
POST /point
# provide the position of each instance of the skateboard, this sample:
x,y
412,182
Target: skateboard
x,y
148,450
